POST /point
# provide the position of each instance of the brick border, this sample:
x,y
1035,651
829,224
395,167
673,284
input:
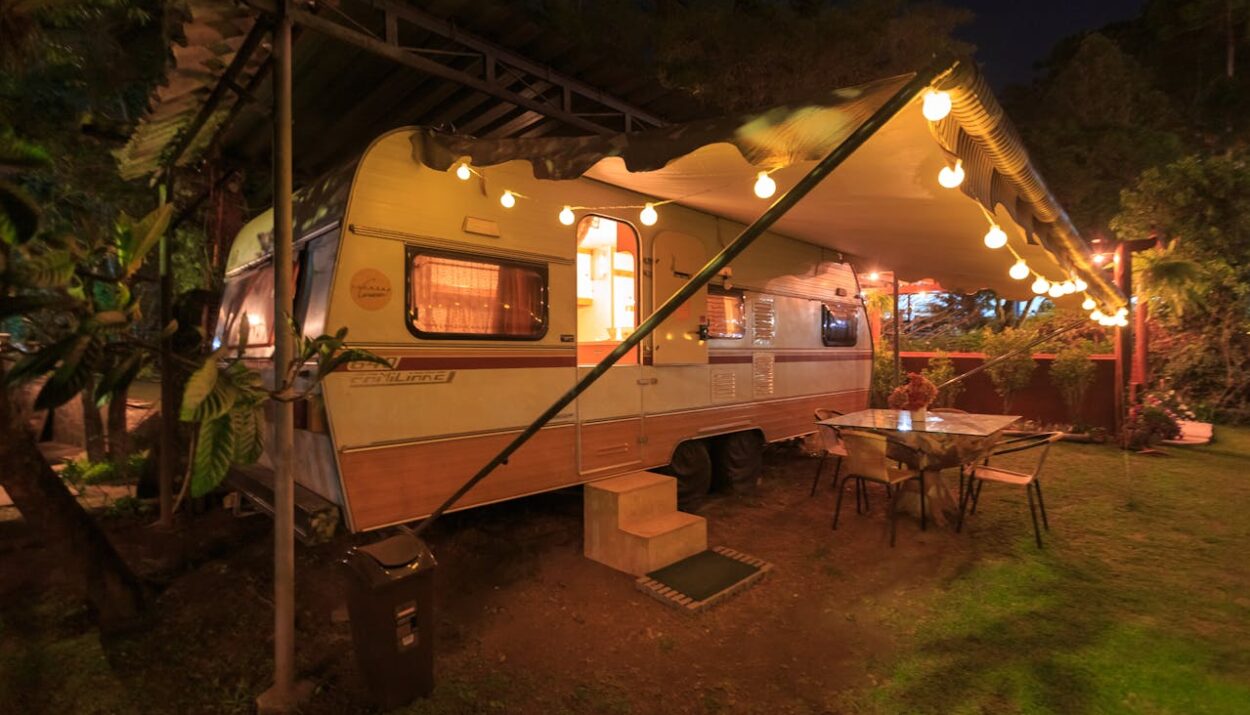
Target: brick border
x,y
678,600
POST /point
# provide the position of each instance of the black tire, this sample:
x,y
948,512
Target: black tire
x,y
692,467
737,460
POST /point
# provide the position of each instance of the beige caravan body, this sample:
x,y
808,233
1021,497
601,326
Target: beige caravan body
x,y
487,314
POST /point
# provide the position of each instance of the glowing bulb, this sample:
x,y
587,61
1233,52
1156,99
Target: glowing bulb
x,y
648,216
1080,285
566,216
1019,270
1107,321
995,237
1056,290
1097,316
1041,286
1068,287
507,200
950,177
874,276
1099,258
764,185
1121,321
1121,312
463,172
937,104
1088,304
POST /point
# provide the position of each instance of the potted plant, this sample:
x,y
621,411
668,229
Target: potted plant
x,y
914,395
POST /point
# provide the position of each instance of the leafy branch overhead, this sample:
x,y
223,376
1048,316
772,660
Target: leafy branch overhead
x,y
226,398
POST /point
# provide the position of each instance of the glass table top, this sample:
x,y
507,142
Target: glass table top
x,y
936,422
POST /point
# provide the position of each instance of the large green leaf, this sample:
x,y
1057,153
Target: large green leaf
x,y
117,378
18,154
53,269
71,376
214,450
199,386
19,215
39,363
249,439
140,236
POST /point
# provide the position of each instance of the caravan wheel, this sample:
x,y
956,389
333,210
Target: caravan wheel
x,y
692,466
737,459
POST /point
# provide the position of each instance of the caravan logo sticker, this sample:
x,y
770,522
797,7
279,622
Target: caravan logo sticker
x,y
370,289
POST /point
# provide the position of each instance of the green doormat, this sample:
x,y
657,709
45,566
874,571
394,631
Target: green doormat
x,y
698,581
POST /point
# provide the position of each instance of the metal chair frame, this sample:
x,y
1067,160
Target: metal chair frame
x,y
891,492
824,414
970,493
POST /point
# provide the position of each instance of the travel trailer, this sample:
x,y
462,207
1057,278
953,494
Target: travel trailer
x,y
487,313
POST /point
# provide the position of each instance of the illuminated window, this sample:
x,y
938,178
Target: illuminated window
x,y
839,326
607,288
726,313
249,295
461,296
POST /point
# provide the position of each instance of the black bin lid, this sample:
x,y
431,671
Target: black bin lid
x,y
392,559
396,551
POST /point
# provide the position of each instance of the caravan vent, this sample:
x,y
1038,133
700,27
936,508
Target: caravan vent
x,y
763,374
763,321
724,385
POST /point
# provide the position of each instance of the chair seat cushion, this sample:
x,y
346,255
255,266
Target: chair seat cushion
x,y
837,450
994,474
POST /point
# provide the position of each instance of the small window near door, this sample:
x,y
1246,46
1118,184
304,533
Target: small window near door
x,y
726,314
607,288
452,295
839,326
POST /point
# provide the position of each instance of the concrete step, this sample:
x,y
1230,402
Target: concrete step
x,y
632,523
635,497
664,540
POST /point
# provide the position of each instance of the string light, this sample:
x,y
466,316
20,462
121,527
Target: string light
x,y
566,216
995,238
950,177
937,104
1056,290
507,200
1080,285
1041,286
463,172
1019,270
1069,287
1096,315
1121,312
1088,304
764,185
648,216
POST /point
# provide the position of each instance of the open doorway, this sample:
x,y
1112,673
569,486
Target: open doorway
x,y
607,288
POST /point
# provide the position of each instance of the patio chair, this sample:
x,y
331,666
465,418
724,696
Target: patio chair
x,y
1031,481
867,461
830,446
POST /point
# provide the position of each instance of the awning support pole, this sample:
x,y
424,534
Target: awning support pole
x,y
898,357
892,106
282,696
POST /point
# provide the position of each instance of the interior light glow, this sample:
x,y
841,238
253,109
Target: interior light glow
x,y
764,185
648,216
874,276
995,237
951,176
937,104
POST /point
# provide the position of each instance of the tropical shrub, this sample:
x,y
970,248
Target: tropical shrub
x,y
1149,423
940,370
1012,374
1072,372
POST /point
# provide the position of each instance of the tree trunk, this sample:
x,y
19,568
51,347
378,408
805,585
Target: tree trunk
x,y
114,592
119,434
92,425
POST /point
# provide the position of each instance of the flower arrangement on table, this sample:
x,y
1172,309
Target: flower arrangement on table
x,y
916,394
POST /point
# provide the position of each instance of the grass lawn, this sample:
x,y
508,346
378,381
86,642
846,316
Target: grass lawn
x,y
1139,603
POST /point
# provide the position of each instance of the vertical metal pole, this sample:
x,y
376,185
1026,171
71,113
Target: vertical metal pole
x,y
1123,336
166,461
283,692
898,358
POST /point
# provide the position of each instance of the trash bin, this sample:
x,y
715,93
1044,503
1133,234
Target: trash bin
x,y
390,600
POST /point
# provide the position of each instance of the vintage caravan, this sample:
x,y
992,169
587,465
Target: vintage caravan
x,y
487,313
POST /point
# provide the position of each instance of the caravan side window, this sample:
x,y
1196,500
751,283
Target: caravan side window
x,y
452,295
726,313
839,326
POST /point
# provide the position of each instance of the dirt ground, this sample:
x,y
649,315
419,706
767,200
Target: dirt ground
x,y
525,623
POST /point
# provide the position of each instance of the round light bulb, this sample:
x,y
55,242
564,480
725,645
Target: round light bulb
x,y
1019,270
937,104
1080,285
874,276
1097,316
951,176
648,216
1089,304
1121,312
1041,286
995,237
1099,258
507,200
566,216
1069,287
764,185
1121,321
1056,290
463,172
1106,321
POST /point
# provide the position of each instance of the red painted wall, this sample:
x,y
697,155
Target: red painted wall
x,y
1040,400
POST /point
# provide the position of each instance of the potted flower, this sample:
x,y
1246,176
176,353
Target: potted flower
x,y
915,395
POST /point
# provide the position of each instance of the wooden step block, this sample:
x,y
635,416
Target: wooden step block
x,y
664,540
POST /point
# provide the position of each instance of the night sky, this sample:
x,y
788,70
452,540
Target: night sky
x,y
1011,35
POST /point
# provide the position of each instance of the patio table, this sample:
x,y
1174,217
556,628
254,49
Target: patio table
x,y
944,440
